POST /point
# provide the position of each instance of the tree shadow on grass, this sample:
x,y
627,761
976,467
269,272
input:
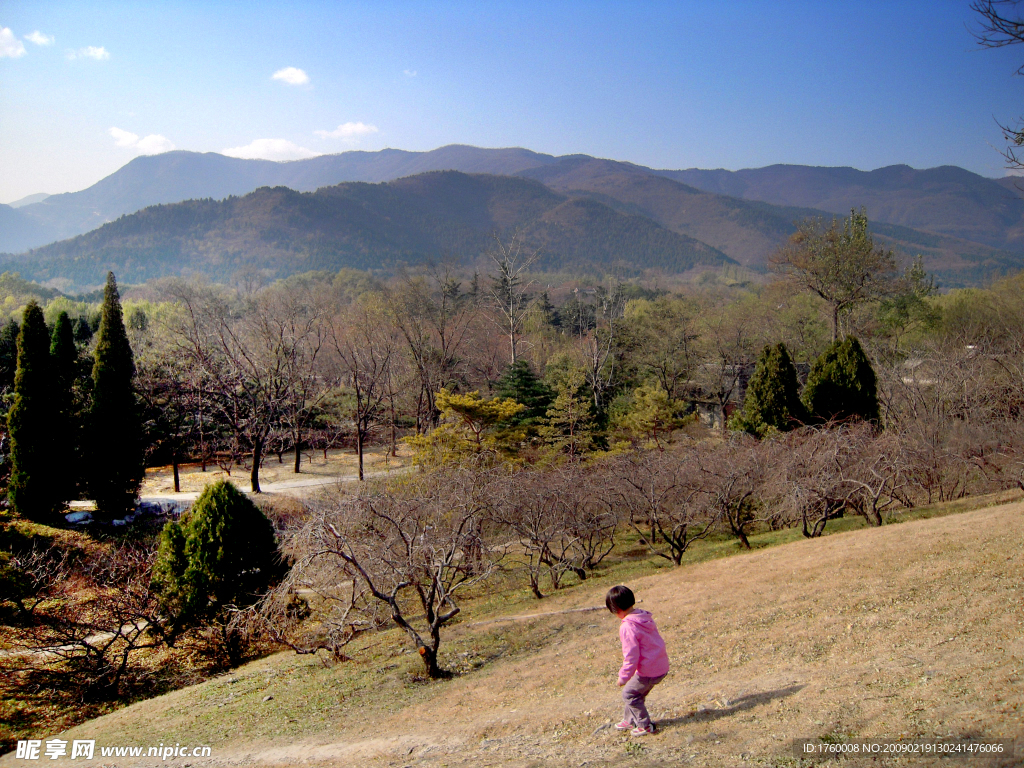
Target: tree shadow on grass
x,y
735,706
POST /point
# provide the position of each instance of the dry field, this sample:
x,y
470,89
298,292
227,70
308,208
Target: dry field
x,y
911,630
341,464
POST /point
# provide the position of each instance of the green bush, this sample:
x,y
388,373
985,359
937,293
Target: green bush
x,y
222,554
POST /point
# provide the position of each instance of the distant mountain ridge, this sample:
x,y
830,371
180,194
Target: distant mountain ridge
x,y
946,200
366,226
967,227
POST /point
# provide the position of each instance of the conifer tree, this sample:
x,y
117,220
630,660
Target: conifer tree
x,y
521,384
223,553
29,423
8,354
64,368
570,427
773,396
115,430
842,384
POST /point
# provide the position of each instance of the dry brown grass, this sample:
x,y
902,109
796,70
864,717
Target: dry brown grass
x,y
911,630
339,463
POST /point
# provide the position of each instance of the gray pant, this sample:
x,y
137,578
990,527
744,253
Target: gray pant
x,y
633,693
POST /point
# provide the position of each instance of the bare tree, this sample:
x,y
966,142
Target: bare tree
x,y
406,552
97,623
661,492
255,355
364,345
560,525
509,289
433,316
1001,25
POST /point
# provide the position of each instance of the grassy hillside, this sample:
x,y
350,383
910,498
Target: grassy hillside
x,y
365,226
816,638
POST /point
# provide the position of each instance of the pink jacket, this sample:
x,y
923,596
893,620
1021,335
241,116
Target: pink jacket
x,y
643,650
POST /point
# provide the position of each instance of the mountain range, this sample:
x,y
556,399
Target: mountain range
x,y
578,209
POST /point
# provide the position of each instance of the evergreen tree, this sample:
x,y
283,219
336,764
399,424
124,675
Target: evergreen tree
x,y
64,367
653,415
223,553
773,395
570,427
115,429
521,384
8,354
841,384
29,423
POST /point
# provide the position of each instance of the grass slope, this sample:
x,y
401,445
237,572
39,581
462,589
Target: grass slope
x,y
912,630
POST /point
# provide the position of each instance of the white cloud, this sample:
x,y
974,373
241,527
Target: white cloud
x,y
10,46
90,52
39,38
410,72
153,144
348,131
291,75
270,149
123,138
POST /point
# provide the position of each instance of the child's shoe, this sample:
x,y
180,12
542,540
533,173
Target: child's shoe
x,y
640,731
625,725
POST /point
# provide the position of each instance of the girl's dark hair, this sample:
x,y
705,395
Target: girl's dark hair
x,y
619,599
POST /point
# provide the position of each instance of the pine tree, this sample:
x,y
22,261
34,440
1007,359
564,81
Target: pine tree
x,y
842,384
64,367
653,415
115,430
521,384
223,553
570,427
29,423
773,395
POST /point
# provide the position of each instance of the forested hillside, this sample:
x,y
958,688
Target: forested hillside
x,y
367,226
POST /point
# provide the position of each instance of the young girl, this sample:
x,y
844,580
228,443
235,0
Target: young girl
x,y
644,659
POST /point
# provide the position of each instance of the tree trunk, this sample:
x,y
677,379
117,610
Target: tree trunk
x,y
177,481
298,452
257,459
359,447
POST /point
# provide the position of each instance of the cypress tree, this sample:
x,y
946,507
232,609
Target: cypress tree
x,y
842,384
8,354
115,429
29,423
64,367
773,395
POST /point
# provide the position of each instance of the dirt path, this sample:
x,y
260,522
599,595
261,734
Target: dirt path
x,y
909,631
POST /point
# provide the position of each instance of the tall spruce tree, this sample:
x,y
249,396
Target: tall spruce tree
x,y
115,429
773,395
842,384
29,423
66,433
521,384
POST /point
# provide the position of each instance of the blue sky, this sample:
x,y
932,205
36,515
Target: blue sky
x,y
669,85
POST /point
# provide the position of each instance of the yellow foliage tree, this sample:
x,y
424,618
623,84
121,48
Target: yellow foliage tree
x,y
654,415
469,425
